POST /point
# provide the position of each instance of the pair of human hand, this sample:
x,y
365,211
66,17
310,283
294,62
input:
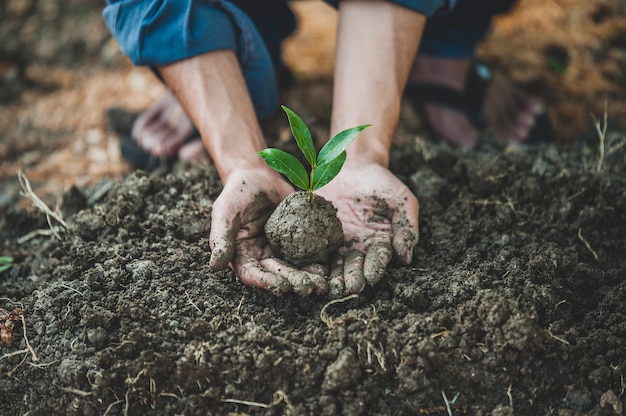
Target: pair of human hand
x,y
378,212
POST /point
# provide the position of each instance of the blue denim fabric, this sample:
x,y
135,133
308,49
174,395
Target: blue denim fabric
x,y
161,32
456,34
426,7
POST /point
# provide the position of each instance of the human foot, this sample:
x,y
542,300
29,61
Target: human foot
x,y
448,123
166,132
508,112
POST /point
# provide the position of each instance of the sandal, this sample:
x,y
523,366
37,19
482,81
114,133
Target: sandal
x,y
121,122
470,103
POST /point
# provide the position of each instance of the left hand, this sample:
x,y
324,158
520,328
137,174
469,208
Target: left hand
x,y
237,238
379,215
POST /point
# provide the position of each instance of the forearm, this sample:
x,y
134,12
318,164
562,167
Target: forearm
x,y
376,45
212,90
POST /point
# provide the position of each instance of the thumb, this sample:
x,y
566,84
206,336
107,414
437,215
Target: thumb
x,y
405,228
222,241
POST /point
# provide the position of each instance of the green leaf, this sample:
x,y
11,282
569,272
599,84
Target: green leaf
x,y
339,143
286,164
5,263
302,135
327,170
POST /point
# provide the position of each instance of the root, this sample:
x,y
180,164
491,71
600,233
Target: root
x,y
324,316
586,243
77,392
18,313
33,234
238,312
448,403
510,396
279,397
111,406
193,303
28,346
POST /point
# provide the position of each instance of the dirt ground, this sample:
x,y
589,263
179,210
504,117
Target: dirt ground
x,y
513,304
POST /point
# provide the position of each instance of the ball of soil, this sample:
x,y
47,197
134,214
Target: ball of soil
x,y
304,232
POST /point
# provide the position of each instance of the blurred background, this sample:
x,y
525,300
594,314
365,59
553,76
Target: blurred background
x,y
60,71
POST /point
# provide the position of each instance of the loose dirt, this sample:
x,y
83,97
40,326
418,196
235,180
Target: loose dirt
x,y
513,304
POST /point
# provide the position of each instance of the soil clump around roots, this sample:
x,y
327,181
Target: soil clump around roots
x,y
302,231
513,303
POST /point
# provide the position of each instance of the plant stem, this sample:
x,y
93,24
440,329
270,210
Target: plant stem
x,y
309,191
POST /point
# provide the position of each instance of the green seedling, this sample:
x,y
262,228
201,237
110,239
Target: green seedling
x,y
324,166
5,263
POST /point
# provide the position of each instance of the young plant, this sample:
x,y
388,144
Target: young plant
x,y
5,263
323,166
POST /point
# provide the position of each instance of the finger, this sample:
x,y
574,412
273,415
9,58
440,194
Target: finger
x,y
353,272
319,275
405,229
302,282
316,268
376,260
336,280
222,240
252,273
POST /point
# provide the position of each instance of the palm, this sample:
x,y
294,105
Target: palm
x,y
380,218
237,236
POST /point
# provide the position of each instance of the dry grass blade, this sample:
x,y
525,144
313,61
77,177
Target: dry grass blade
x,y
601,128
28,191
324,316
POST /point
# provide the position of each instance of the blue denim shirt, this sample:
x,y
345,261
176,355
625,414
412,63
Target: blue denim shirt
x,y
160,32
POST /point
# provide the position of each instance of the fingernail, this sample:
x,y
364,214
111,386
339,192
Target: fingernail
x,y
409,256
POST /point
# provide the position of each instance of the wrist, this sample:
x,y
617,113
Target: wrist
x,y
369,149
234,151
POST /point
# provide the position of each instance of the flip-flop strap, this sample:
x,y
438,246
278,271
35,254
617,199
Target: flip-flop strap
x,y
436,94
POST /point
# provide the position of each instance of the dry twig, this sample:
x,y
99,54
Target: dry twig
x,y
601,128
28,191
324,316
586,243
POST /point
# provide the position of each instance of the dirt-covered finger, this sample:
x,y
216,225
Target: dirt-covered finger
x,y
316,268
222,252
253,274
260,277
336,280
353,272
376,260
222,240
405,228
303,283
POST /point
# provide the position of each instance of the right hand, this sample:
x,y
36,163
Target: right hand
x,y
237,237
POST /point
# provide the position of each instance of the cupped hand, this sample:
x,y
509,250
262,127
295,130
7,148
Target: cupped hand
x,y
379,215
237,237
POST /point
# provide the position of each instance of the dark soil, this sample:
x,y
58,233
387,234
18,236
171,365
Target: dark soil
x,y
513,304
514,301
